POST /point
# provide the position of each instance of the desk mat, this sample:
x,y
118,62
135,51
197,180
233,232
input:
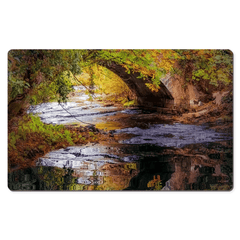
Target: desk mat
x,y
120,119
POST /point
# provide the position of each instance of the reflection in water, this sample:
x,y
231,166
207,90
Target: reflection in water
x,y
53,178
158,157
195,167
92,165
130,167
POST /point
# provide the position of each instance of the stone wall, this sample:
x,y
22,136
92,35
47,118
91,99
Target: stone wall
x,y
174,90
182,93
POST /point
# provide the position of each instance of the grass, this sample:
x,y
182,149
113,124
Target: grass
x,y
29,139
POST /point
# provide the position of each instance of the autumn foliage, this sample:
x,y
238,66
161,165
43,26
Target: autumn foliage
x,y
29,139
36,76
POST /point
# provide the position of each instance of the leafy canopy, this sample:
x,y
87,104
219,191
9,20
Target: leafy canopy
x,y
44,75
32,72
214,66
148,63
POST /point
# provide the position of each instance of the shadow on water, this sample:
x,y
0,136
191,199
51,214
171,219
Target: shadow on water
x,y
131,167
191,168
41,178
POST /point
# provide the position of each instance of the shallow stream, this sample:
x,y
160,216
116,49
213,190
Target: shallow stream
x,y
161,156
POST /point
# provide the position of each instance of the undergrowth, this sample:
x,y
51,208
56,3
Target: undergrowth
x,y
29,138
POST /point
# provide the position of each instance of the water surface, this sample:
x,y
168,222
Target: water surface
x,y
160,156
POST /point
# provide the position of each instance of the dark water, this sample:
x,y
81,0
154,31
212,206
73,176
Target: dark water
x,y
131,167
162,157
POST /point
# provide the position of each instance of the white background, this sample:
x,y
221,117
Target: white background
x,y
98,24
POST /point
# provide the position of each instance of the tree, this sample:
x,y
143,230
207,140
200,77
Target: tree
x,y
31,70
213,66
40,75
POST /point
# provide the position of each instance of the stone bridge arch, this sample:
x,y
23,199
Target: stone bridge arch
x,y
145,97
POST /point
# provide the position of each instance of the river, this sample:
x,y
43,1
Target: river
x,y
149,154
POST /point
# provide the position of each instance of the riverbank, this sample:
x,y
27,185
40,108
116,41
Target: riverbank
x,y
102,145
218,118
101,119
28,140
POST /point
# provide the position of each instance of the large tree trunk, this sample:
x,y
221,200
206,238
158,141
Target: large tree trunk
x,y
17,107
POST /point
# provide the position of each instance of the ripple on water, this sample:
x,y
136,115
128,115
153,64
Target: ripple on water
x,y
86,161
175,135
74,157
53,113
